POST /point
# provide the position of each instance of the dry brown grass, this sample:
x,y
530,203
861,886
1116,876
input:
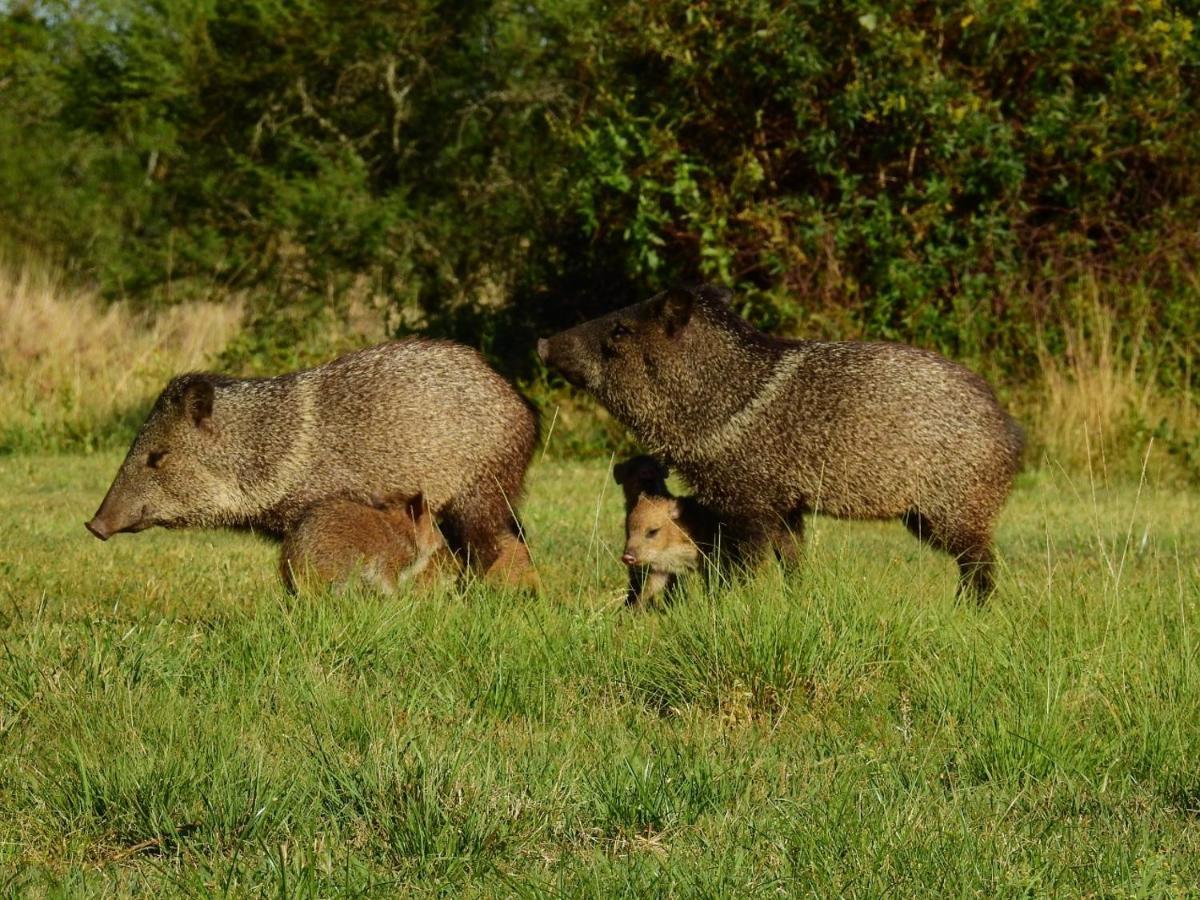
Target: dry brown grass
x,y
1096,405
75,372
70,366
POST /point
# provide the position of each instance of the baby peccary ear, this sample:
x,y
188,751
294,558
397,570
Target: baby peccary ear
x,y
198,397
676,510
651,470
675,309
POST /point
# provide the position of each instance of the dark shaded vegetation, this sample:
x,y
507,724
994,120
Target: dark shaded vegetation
x,y
941,172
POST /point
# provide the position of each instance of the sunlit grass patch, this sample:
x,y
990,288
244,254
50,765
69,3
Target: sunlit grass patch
x,y
172,720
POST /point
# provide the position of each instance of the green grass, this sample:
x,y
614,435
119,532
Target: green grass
x,y
171,721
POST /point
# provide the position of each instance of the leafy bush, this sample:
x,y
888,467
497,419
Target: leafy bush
x,y
938,172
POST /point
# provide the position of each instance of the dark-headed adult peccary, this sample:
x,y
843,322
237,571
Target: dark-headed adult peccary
x,y
767,430
399,419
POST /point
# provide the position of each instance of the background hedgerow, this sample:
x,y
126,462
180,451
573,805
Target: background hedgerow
x,y
953,173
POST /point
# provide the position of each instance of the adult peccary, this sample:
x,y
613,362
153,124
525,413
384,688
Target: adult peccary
x,y
767,430
384,543
402,418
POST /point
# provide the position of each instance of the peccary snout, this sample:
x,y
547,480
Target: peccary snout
x,y
110,519
577,353
98,528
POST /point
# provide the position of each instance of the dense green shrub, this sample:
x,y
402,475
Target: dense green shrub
x,y
934,171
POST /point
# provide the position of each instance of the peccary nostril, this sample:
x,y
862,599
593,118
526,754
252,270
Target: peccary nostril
x,y
629,559
543,349
97,529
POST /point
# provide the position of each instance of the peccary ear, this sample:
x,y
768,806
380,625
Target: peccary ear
x,y
676,510
675,309
621,472
716,294
198,396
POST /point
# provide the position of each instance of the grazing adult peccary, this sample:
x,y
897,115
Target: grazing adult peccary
x,y
383,543
767,430
402,418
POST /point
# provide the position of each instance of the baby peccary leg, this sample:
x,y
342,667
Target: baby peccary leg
x,y
653,584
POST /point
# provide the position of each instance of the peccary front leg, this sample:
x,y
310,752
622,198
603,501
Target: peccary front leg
x,y
653,584
637,579
976,569
786,536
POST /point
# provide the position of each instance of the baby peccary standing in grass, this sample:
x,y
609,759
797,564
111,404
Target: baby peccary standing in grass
x,y
767,430
384,543
400,419
666,537
636,476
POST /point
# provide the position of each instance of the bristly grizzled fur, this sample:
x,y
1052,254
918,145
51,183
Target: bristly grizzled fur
x,y
384,543
767,430
402,418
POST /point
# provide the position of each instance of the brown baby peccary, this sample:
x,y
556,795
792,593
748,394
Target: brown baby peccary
x,y
767,430
637,476
402,418
384,543
666,537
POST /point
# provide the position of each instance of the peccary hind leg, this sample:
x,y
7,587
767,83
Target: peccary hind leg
x,y
480,526
971,547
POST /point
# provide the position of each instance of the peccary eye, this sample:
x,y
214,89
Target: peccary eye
x,y
652,532
155,458
620,330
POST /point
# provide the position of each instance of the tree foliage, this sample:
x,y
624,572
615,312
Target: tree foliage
x,y
928,170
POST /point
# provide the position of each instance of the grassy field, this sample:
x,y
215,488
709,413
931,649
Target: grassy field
x,y
172,721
